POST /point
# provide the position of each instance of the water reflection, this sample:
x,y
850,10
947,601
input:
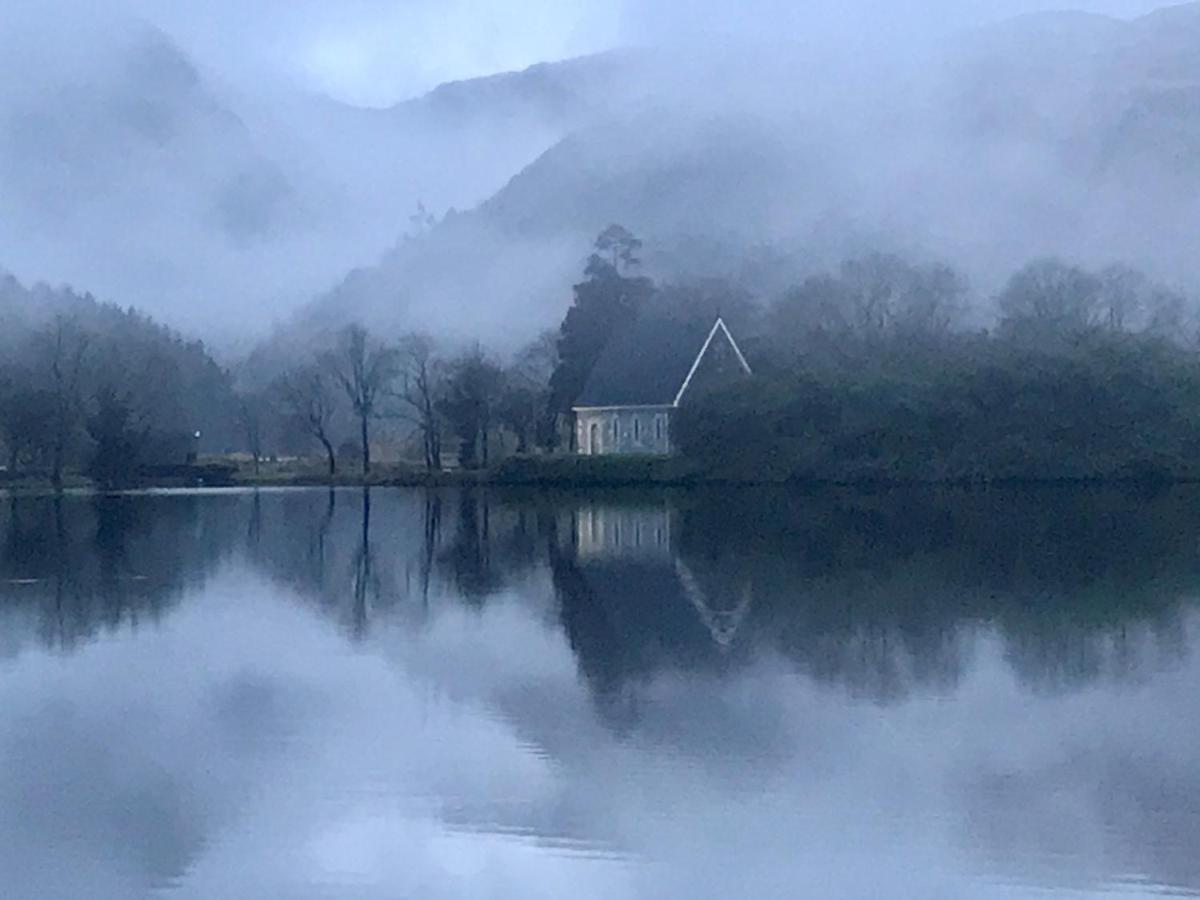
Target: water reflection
x,y
403,693
78,566
885,595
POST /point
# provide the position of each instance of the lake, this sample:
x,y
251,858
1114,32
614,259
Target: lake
x,y
315,694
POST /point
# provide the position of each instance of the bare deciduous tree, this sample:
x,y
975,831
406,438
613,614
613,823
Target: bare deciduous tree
x,y
419,394
1049,297
251,413
365,370
308,398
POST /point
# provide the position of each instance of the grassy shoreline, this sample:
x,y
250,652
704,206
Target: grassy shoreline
x,y
571,472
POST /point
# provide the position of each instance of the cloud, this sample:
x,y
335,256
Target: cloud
x,y
884,20
252,198
371,52
376,52
399,49
240,749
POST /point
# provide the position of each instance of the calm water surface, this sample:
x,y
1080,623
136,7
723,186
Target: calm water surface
x,y
305,694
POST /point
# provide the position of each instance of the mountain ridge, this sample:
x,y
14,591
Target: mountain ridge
x,y
1063,132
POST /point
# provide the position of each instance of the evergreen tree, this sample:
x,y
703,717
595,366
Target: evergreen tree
x,y
604,301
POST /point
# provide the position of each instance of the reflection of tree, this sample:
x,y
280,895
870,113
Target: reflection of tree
x,y
1057,651
495,541
469,556
330,552
429,544
91,564
595,639
323,536
254,524
884,594
363,573
878,594
466,542
63,570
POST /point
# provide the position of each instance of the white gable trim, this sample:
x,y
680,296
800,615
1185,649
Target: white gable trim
x,y
621,406
719,325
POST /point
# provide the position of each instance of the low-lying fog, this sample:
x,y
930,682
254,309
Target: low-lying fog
x,y
224,178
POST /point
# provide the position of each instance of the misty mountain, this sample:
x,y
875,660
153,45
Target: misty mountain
x,y
451,148
1107,94
124,171
1066,134
141,175
127,167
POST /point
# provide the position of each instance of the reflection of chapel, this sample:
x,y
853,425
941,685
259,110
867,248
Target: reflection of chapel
x,y
626,558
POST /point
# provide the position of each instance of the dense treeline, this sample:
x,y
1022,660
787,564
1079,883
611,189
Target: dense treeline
x,y
91,388
464,405
884,369
461,405
870,374
428,406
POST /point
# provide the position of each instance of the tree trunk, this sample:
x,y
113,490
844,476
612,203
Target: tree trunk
x,y
56,472
429,432
366,446
362,568
329,454
433,519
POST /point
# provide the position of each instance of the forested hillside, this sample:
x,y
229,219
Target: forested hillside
x,y
91,387
1059,134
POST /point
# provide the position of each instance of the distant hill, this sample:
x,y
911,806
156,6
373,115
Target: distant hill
x,y
125,171
126,166
173,384
1064,133
142,175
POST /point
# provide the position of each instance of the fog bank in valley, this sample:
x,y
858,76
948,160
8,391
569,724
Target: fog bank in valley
x,y
215,186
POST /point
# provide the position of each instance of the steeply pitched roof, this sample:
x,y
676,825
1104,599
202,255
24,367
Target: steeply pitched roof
x,y
646,363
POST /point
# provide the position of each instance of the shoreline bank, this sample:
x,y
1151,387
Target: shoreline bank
x,y
562,472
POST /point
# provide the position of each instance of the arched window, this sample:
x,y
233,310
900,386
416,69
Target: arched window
x,y
658,427
637,428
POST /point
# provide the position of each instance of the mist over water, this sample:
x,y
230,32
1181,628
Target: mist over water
x,y
306,693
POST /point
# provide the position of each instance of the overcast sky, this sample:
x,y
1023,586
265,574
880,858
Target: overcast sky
x,y
380,51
